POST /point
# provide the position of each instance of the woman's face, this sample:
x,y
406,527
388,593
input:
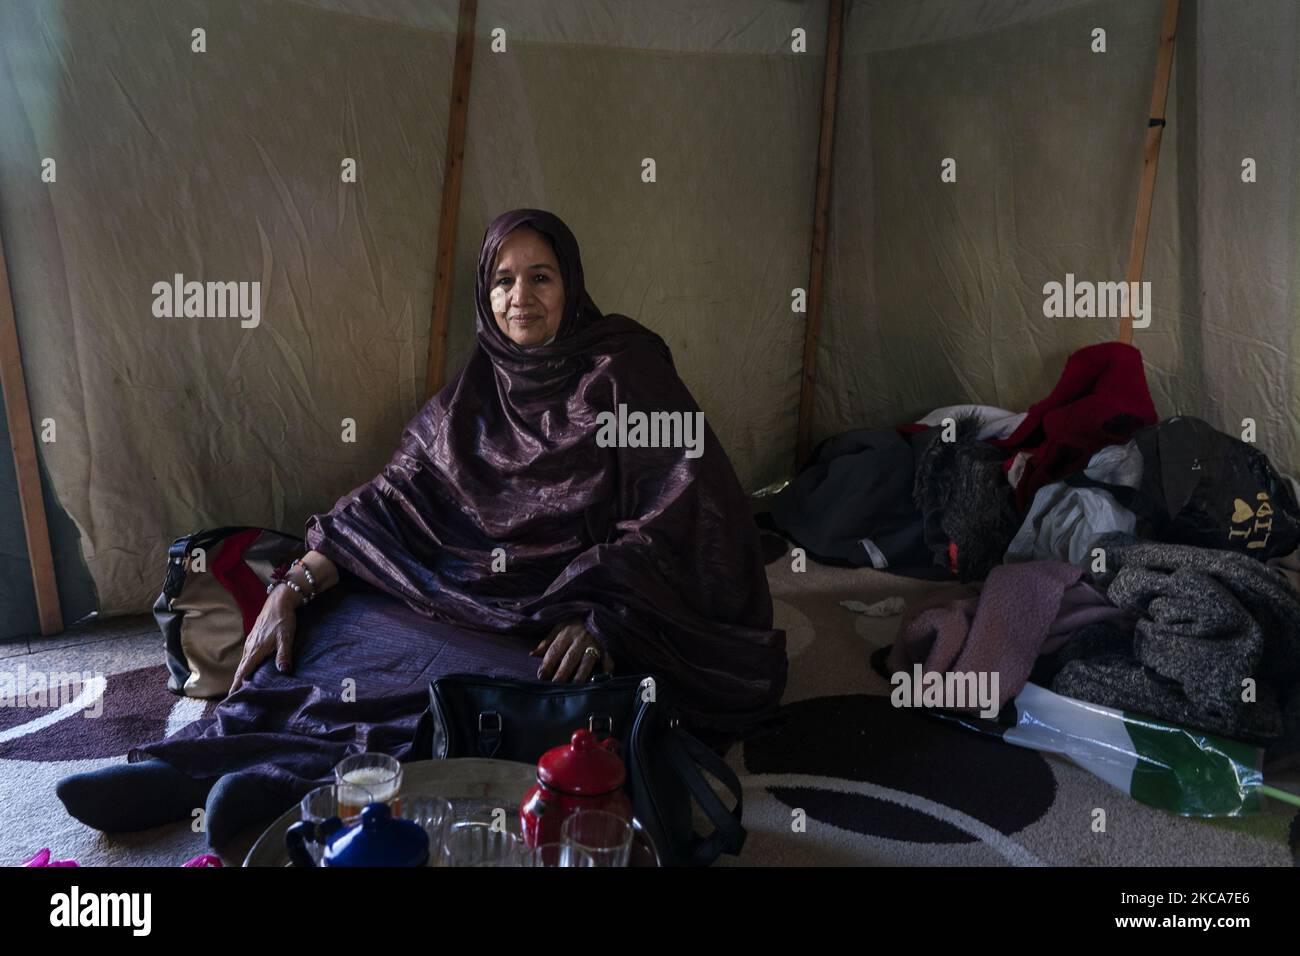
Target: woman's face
x,y
527,290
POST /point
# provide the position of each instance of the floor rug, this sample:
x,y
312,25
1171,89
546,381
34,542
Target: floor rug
x,y
846,779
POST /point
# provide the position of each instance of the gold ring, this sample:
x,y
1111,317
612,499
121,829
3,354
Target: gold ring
x,y
593,651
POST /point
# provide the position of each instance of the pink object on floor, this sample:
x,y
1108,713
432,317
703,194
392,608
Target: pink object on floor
x,y
42,858
1022,611
206,859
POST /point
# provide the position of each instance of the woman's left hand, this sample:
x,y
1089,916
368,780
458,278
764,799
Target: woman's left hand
x,y
571,654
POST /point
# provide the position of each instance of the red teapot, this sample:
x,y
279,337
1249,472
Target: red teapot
x,y
584,774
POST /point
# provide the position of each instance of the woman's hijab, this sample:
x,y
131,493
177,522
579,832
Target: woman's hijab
x,y
501,510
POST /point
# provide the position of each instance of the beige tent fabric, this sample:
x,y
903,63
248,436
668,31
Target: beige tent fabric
x,y
1247,354
935,290
225,166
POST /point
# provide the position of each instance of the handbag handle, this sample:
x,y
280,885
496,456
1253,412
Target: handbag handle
x,y
687,756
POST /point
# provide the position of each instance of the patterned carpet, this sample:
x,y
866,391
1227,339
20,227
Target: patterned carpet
x,y
886,786
130,705
846,779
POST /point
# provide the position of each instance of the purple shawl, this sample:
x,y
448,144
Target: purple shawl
x,y
654,551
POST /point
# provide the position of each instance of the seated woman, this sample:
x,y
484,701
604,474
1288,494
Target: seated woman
x,y
502,531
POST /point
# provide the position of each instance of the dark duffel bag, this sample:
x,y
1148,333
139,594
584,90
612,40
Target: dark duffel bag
x,y
1205,488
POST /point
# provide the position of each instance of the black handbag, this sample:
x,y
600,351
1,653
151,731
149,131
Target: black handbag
x,y
1203,487
471,715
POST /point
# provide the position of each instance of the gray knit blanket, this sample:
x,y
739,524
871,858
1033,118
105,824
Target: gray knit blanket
x,y
1208,621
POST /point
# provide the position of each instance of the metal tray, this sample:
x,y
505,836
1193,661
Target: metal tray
x,y
465,778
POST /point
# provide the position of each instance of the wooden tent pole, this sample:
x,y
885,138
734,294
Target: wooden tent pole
x,y
447,217
18,414
821,207
1151,156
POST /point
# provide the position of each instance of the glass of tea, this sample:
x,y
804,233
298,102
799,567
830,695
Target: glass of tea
x,y
368,778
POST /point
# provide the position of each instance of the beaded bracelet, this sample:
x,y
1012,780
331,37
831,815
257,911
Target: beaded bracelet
x,y
306,598
307,571
286,580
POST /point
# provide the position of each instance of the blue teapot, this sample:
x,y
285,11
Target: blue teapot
x,y
379,840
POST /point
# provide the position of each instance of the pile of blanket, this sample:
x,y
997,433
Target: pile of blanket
x,y
954,485
1121,560
1216,643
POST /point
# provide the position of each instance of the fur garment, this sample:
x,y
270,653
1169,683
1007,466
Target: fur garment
x,y
963,495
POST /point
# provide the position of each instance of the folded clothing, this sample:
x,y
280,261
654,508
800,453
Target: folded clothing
x,y
1207,621
853,503
1064,520
1021,611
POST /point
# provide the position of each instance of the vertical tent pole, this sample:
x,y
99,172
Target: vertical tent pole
x,y
451,176
1150,156
821,207
19,416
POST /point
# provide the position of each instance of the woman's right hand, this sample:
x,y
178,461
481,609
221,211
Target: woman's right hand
x,y
272,633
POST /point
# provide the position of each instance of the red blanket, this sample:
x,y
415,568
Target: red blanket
x,y
1101,399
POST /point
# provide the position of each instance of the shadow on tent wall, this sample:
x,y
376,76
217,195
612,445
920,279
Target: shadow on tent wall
x,y
17,597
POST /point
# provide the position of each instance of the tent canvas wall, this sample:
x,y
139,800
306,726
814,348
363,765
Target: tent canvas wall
x,y
226,165
936,293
